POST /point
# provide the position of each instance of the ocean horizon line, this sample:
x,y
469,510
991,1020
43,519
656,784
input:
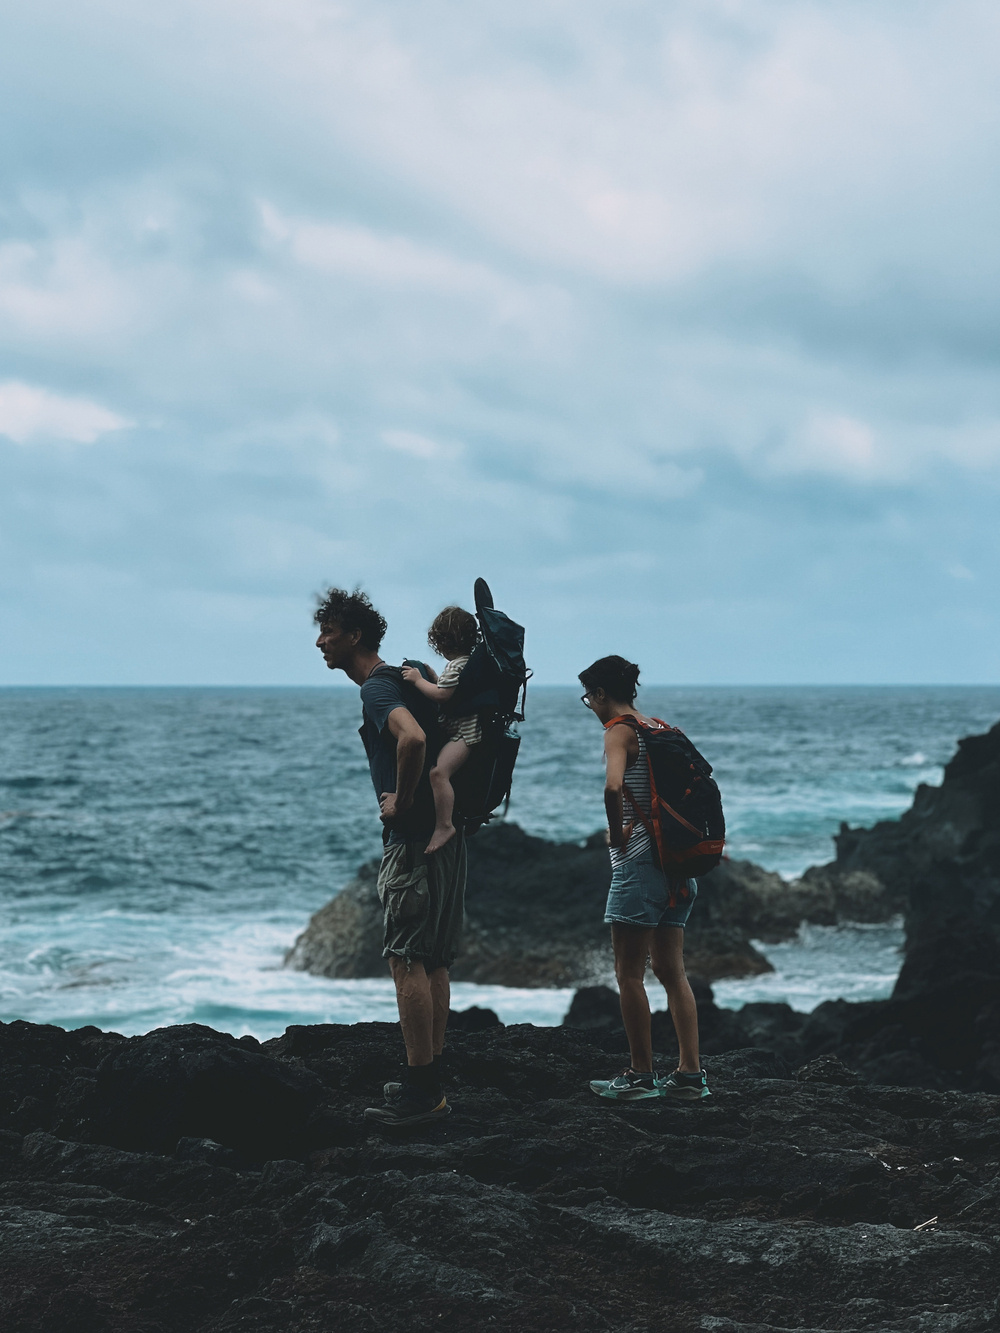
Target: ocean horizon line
x,y
539,685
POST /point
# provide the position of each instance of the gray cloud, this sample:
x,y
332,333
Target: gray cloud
x,y
679,325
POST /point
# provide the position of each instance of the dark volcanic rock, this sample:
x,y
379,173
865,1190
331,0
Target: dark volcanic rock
x,y
594,1007
943,854
190,1082
535,1207
473,1019
827,1069
535,916
942,1024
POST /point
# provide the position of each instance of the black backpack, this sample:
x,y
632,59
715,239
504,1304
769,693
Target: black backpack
x,y
495,673
494,685
687,828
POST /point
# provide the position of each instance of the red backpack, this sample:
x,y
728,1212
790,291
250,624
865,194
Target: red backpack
x,y
687,827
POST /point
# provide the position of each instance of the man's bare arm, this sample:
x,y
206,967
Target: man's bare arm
x,y
411,748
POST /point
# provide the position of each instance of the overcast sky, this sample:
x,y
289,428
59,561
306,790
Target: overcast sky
x,y
680,322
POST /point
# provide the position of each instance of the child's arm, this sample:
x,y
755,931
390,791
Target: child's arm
x,y
433,691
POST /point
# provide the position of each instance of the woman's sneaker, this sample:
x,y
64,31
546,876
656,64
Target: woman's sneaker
x,y
683,1087
628,1086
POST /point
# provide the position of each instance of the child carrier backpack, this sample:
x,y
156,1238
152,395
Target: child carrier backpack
x,y
687,827
493,684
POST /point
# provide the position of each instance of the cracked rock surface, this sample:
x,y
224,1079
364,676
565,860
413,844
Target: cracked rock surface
x,y
254,1197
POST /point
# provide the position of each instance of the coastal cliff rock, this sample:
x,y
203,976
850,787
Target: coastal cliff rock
x,y
535,915
944,855
804,1203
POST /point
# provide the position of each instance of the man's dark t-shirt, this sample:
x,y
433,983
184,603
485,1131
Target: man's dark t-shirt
x,y
384,690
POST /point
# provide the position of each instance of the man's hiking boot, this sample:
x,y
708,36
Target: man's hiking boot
x,y
684,1087
390,1090
409,1106
627,1087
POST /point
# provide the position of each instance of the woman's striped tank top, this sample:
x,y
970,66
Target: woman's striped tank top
x,y
637,781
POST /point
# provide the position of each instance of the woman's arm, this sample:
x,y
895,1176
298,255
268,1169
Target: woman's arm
x,y
616,748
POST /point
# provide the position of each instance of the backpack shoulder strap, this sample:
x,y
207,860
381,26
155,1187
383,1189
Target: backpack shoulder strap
x,y
665,725
626,720
633,723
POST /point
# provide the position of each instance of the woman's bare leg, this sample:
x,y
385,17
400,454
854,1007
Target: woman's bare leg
x,y
631,946
452,756
667,957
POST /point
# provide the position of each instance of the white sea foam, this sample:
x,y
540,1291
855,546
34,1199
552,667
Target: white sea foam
x,y
851,962
102,971
160,849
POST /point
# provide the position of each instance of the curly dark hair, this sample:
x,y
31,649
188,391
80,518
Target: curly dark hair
x,y
351,610
616,676
453,633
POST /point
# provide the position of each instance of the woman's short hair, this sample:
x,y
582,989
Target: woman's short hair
x,y
618,678
453,633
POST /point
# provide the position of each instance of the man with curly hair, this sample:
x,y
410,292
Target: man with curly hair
x,y
422,894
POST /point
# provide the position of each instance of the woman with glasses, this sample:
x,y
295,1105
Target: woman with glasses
x,y
646,912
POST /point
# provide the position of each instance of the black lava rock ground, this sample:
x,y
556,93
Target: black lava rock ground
x,y
185,1182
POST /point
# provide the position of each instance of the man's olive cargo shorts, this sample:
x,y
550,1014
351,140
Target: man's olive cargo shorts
x,y
423,900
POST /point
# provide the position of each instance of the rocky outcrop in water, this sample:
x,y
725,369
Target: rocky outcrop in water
x,y
943,855
535,915
242,1191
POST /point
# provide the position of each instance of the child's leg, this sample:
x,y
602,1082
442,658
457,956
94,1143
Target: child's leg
x,y
451,757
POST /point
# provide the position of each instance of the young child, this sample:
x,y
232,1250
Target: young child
x,y
453,635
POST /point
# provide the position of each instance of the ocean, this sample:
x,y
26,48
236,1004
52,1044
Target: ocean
x,y
160,849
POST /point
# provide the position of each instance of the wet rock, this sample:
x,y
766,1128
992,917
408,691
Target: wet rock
x,y
941,1027
344,938
473,1019
594,1007
718,1029
207,1150
943,855
535,917
828,1069
749,1062
189,1082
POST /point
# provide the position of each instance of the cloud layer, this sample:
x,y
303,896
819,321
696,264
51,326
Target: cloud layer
x,y
678,324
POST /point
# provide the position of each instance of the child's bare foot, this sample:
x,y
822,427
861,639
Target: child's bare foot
x,y
439,837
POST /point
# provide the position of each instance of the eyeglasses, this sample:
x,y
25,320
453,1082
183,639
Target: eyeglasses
x,y
585,700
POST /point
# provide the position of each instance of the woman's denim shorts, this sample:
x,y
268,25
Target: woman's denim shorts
x,y
640,896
